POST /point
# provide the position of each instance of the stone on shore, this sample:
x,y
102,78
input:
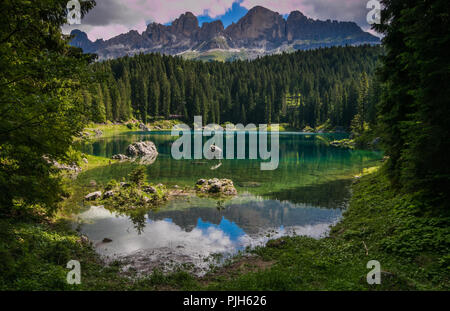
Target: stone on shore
x,y
93,196
149,189
125,184
108,194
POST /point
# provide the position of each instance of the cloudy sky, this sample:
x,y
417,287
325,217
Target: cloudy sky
x,y
113,17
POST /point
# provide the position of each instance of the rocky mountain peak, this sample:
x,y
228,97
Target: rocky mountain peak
x,y
259,28
210,30
186,24
259,31
259,10
296,16
81,40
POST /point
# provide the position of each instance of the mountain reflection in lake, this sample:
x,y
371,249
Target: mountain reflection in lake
x,y
179,234
304,196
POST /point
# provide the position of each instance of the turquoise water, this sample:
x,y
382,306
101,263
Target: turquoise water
x,y
304,195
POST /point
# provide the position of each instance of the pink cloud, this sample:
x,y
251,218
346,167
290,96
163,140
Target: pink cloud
x,y
165,11
109,31
144,11
281,6
342,10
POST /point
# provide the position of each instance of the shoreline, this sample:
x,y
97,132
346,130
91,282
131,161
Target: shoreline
x,y
335,262
111,129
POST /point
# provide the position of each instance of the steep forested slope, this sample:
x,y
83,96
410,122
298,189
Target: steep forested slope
x,y
302,88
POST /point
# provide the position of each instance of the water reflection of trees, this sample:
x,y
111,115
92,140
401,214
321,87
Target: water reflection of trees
x,y
250,216
139,220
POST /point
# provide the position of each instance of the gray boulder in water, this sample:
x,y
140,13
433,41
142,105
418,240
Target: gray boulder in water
x,y
141,149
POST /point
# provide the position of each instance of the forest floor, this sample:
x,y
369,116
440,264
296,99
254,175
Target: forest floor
x,y
379,224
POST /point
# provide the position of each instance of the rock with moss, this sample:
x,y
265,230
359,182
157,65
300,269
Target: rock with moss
x,y
142,149
149,189
216,186
108,194
93,196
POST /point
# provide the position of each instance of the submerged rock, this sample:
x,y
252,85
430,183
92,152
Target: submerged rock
x,y
107,240
93,196
216,186
142,148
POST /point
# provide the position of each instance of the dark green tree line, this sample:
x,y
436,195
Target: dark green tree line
x,y
414,110
302,88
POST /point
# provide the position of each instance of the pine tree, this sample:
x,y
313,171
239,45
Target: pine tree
x,y
165,97
98,107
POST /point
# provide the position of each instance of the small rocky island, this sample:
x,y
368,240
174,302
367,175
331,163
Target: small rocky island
x,y
136,193
216,186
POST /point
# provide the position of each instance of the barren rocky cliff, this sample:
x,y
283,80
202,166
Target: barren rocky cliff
x,y
260,32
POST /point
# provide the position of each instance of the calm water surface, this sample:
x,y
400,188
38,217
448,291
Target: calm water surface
x,y
304,196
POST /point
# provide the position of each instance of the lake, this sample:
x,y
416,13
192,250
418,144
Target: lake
x,y
303,196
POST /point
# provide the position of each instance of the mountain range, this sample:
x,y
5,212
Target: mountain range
x,y
260,32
